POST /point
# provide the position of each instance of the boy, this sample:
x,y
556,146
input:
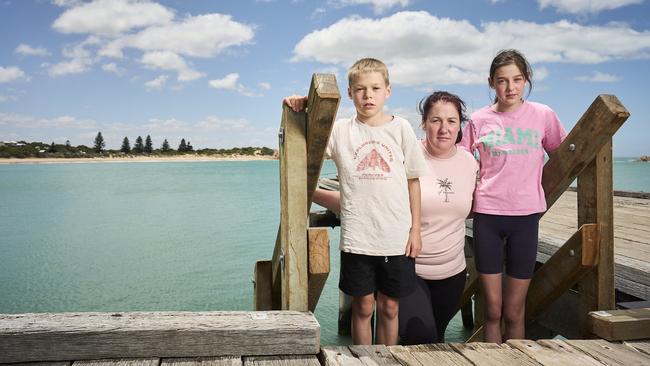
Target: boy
x,y
378,161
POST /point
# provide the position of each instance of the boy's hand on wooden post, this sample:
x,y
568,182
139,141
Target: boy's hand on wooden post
x,y
296,102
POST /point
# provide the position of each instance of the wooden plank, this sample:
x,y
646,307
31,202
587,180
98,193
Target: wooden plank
x,y
262,287
641,346
596,126
59,363
428,354
299,360
202,361
374,355
492,354
319,263
596,205
322,104
338,356
563,270
620,325
79,336
552,353
290,277
119,362
610,353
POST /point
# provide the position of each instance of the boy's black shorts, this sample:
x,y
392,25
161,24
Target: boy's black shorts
x,y
362,274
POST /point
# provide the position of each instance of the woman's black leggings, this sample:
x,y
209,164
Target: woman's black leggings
x,y
424,315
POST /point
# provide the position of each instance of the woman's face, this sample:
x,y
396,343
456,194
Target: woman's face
x,y
442,126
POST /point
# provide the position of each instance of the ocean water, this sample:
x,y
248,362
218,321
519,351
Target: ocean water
x,y
177,236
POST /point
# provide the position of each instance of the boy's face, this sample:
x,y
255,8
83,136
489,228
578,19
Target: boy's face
x,y
369,93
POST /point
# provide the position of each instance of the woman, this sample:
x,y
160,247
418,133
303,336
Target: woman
x,y
446,200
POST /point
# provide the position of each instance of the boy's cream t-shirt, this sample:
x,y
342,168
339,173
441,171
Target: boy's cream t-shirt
x,y
374,164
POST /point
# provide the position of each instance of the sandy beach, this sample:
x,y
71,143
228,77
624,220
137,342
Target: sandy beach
x,y
136,159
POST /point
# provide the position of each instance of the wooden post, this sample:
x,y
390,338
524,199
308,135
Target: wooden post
x,y
262,286
596,205
594,129
319,263
291,259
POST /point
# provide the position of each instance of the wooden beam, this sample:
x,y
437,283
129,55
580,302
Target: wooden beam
x,y
262,291
594,129
289,262
596,205
319,263
563,270
322,104
621,325
78,336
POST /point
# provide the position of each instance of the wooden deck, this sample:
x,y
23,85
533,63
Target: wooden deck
x,y
520,352
631,239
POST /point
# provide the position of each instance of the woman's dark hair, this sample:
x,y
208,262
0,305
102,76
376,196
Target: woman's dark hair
x,y
509,57
442,96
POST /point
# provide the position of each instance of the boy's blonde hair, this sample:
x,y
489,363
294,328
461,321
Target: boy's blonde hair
x,y
367,65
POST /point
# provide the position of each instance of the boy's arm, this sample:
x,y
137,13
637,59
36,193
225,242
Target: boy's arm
x,y
331,200
296,102
414,244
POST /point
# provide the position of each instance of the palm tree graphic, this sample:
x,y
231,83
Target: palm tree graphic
x,y
445,188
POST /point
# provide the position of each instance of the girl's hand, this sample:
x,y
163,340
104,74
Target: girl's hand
x,y
296,102
414,244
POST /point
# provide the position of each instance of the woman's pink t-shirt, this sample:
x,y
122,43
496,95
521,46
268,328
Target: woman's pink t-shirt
x,y
511,148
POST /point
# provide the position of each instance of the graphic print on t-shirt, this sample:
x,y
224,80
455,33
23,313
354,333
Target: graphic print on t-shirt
x,y
374,161
446,188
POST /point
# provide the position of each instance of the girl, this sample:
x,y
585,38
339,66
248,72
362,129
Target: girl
x,y
511,137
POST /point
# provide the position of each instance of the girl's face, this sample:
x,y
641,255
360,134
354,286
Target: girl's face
x,y
442,126
509,83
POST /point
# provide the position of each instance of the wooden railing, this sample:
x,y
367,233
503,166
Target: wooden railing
x,y
295,276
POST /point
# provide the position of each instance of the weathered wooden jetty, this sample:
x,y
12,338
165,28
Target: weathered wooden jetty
x,y
578,260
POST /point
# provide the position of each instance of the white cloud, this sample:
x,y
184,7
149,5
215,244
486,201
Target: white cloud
x,y
422,49
113,68
229,82
540,73
165,125
156,83
66,3
217,123
379,6
598,77
18,120
27,50
200,36
166,60
585,6
74,66
11,73
111,17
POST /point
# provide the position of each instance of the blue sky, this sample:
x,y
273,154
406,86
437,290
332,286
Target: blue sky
x,y
214,72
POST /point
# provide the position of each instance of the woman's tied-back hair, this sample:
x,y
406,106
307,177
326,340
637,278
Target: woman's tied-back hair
x,y
367,65
442,96
509,57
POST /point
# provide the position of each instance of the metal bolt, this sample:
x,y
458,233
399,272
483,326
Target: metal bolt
x,y
572,253
281,258
281,135
572,147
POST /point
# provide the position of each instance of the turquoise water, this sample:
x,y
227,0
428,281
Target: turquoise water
x,y
156,236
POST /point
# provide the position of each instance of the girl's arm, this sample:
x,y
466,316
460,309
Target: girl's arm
x,y
331,200
414,244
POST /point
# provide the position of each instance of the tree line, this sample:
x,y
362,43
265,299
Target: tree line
x,y
24,149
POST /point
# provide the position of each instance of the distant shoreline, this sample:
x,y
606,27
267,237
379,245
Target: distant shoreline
x,y
135,159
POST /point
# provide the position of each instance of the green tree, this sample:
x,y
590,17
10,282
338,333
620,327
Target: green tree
x,y
165,146
99,143
182,147
126,145
138,148
148,145
189,146
52,148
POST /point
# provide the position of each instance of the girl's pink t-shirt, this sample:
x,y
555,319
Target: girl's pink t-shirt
x,y
511,148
